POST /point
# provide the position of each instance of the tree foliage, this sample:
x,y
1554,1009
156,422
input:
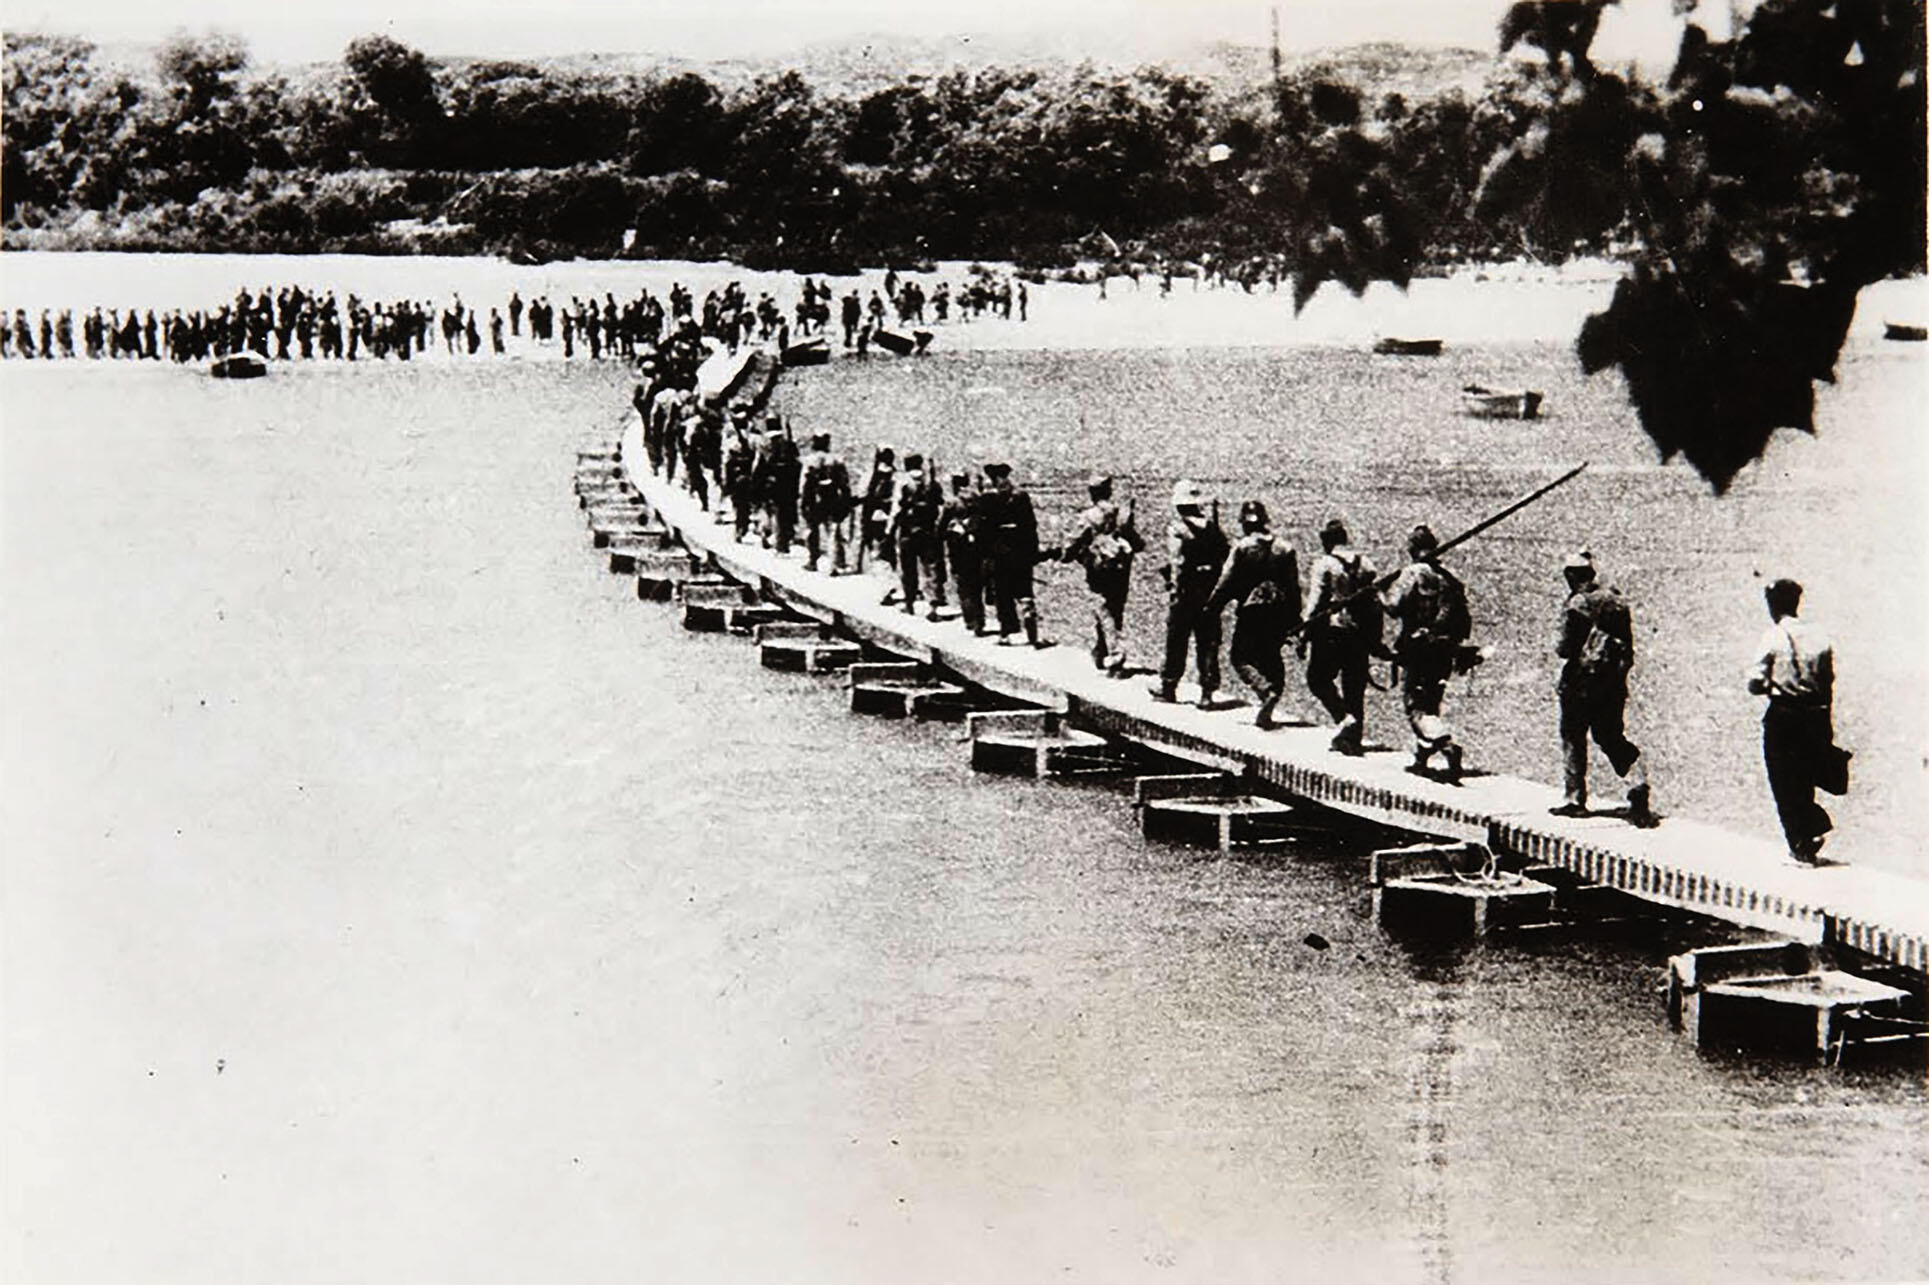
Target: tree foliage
x,y
1780,172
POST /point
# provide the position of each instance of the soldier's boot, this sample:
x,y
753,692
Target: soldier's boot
x,y
1640,807
1349,738
1028,614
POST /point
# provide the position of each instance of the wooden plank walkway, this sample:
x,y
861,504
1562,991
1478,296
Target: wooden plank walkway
x,y
1680,863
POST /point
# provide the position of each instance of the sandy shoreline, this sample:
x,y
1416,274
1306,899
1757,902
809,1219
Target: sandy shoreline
x,y
1511,304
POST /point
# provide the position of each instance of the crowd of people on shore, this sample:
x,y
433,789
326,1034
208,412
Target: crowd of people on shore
x,y
976,543
284,323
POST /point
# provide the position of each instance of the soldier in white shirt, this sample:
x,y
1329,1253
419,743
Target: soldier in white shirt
x,y
1794,667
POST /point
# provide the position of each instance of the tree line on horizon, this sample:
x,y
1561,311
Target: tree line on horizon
x,y
1025,163
1752,194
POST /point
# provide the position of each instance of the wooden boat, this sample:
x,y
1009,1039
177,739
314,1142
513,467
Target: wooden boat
x,y
1500,403
810,352
1904,333
1409,347
900,343
241,365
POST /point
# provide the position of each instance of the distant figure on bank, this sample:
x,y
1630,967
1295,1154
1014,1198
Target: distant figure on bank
x,y
850,312
824,502
1794,667
1195,549
1008,526
1105,543
1596,648
1343,624
1431,605
1262,577
915,534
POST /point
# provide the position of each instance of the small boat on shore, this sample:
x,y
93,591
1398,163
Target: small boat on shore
x,y
902,344
1409,347
815,351
1904,333
1500,403
241,365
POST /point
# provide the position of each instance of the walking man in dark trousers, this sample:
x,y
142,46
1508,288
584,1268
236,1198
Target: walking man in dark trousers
x,y
1596,648
1009,529
1262,576
739,460
1794,667
914,530
824,502
1342,632
1105,543
959,522
1196,550
1431,606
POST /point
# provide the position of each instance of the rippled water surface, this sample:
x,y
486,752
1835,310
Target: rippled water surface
x,y
391,897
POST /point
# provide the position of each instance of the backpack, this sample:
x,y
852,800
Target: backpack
x,y
1357,599
827,488
1108,553
1453,621
1112,546
918,508
1608,649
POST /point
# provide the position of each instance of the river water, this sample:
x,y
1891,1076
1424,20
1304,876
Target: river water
x,y
390,896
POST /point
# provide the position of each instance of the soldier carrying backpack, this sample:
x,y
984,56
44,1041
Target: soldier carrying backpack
x,y
824,503
1105,544
1342,631
1431,605
1596,646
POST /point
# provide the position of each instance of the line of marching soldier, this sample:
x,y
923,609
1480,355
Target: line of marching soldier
x,y
1339,627
979,543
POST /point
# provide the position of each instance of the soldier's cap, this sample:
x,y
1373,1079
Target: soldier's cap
x,y
961,479
913,460
1253,514
774,423
1422,541
1187,494
1334,532
1579,560
886,453
820,440
1098,484
997,468
1783,590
